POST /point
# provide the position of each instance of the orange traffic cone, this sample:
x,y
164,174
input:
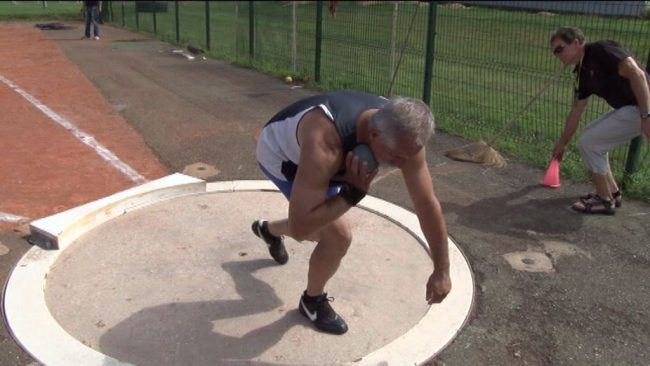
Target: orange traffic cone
x,y
552,177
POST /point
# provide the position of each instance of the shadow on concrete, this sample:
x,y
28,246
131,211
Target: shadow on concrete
x,y
519,214
186,334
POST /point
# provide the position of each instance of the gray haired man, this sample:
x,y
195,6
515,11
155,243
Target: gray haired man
x,y
305,149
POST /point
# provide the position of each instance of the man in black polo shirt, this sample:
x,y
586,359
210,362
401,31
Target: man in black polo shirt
x,y
605,69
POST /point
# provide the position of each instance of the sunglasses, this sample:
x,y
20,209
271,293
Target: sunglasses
x,y
557,50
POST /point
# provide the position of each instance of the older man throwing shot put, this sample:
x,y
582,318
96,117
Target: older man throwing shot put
x,y
306,150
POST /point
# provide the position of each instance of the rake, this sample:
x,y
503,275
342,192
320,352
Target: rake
x,y
482,152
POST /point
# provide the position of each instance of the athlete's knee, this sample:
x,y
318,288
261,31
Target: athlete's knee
x,y
338,236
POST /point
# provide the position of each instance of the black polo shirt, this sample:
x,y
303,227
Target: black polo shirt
x,y
598,74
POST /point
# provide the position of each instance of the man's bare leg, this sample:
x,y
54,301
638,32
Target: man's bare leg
x,y
332,244
334,241
602,185
611,182
279,227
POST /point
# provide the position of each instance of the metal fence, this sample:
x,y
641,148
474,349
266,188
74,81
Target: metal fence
x,y
476,64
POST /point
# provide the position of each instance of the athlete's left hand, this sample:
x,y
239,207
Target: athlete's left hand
x,y
438,286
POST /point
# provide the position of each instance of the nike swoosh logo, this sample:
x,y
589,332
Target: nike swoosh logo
x,y
310,315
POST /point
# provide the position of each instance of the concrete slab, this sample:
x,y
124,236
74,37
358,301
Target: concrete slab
x,y
184,281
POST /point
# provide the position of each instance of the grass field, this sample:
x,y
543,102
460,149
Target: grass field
x,y
35,10
488,63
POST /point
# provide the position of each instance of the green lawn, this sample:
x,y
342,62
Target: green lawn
x,y
35,10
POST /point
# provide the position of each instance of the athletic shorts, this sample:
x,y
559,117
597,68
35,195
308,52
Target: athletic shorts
x,y
286,186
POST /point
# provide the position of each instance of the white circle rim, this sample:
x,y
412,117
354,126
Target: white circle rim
x,y
30,323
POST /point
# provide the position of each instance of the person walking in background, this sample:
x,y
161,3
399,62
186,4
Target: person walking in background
x,y
91,11
608,70
306,150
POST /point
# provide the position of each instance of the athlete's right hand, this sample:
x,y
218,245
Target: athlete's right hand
x,y
356,172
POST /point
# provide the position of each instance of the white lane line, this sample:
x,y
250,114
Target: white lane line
x,y
7,217
82,136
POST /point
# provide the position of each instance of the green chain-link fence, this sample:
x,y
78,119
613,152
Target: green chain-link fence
x,y
476,65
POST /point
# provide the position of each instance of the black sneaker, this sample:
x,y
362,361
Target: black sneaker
x,y
275,243
318,310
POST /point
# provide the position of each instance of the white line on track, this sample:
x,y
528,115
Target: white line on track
x,y
7,217
82,136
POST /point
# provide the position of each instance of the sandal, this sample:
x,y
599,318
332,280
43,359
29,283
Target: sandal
x,y
618,198
594,205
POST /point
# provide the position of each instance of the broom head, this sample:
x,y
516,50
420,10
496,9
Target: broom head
x,y
477,152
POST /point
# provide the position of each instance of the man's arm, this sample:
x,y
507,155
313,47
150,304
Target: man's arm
x,y
570,126
432,222
321,157
629,69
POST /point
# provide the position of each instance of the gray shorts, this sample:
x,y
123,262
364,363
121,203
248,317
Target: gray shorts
x,y
602,135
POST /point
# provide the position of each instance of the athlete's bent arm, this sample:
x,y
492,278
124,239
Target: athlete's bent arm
x,y
321,157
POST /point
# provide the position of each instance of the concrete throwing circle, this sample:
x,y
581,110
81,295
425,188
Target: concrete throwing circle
x,y
184,281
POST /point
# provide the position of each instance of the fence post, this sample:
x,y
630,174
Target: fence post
x,y
123,20
632,163
294,30
319,39
428,63
634,151
178,33
207,25
251,30
155,24
137,19
393,42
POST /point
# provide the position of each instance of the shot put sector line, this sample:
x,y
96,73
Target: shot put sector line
x,y
82,136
